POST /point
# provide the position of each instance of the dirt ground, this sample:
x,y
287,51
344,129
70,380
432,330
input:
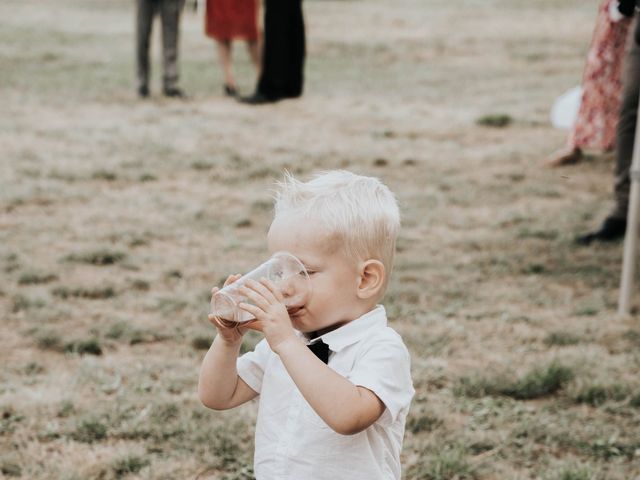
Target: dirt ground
x,y
117,216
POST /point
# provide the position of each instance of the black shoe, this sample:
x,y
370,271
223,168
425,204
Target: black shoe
x,y
257,99
143,91
230,90
612,229
174,92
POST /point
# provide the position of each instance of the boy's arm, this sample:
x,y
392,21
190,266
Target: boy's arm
x,y
345,407
219,386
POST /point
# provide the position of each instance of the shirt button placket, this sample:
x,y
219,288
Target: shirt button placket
x,y
292,422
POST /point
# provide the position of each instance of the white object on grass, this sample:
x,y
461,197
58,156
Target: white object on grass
x,y
565,109
614,12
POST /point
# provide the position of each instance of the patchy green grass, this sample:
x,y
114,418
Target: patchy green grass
x,y
91,293
34,278
11,469
423,423
89,431
97,257
596,395
104,175
89,346
496,120
201,342
538,383
446,463
24,302
129,465
49,341
562,339
576,472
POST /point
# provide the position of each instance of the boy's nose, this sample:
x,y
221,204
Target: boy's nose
x,y
287,289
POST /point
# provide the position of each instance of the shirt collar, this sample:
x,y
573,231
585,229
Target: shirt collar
x,y
355,330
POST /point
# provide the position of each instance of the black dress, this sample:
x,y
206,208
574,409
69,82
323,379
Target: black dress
x,y
283,54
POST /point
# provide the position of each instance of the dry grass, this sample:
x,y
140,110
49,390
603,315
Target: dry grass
x,y
117,217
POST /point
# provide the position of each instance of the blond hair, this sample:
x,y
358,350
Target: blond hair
x,y
361,210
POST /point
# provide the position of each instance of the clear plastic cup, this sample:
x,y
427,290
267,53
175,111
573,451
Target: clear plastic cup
x,y
283,269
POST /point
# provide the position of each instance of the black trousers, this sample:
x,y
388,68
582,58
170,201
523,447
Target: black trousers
x,y
283,52
625,134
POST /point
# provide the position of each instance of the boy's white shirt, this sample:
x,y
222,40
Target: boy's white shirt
x,y
293,442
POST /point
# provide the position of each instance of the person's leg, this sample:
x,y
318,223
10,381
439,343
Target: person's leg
x,y
625,134
144,22
224,54
614,225
297,47
170,13
253,46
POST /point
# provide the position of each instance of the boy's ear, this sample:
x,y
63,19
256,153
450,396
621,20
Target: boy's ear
x,y
372,277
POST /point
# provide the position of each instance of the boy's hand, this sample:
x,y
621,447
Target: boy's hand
x,y
270,311
230,332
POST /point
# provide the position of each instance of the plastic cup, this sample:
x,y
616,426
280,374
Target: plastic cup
x,y
283,269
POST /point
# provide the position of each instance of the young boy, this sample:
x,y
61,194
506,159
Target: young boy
x,y
333,379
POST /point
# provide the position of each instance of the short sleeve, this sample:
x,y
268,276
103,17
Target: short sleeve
x,y
251,365
384,367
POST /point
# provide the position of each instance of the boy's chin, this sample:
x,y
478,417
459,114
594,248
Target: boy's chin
x,y
304,324
308,330
302,327
316,331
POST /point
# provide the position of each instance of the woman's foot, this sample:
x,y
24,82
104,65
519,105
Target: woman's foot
x,y
564,156
230,90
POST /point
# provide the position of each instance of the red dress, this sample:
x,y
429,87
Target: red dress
x,y
595,126
231,19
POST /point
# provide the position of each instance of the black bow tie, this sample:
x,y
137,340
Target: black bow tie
x,y
320,350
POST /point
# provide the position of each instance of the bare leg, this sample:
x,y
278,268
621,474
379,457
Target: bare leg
x,y
254,48
224,54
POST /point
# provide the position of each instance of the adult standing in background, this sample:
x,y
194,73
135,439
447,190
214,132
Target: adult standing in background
x,y
226,20
283,53
615,224
595,125
169,11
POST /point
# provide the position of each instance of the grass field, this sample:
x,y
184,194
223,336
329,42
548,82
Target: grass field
x,y
117,216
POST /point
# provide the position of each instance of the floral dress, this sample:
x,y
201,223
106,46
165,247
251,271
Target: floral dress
x,y
595,126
